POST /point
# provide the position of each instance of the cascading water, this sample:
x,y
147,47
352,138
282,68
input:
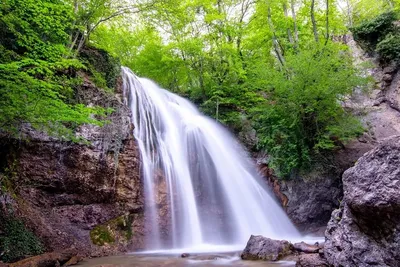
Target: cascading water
x,y
214,194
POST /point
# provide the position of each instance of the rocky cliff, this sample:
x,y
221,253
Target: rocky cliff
x,y
86,196
365,230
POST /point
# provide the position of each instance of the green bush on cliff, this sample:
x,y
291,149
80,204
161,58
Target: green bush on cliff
x,y
16,242
370,32
389,48
37,79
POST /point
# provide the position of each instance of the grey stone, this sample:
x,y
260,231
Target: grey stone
x,y
365,230
306,248
263,248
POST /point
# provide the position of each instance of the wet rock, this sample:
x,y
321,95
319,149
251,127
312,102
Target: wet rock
x,y
263,248
308,201
365,231
311,199
45,260
311,260
306,248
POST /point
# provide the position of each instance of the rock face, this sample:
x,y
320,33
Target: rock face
x,y
365,231
308,201
262,248
82,196
311,200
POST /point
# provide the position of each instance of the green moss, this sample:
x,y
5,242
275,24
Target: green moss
x,y
126,226
16,241
102,235
116,230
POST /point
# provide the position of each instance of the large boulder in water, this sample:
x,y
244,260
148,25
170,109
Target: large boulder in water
x,y
263,248
365,231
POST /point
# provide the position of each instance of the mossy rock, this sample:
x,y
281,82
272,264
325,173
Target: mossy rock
x,y
101,235
116,230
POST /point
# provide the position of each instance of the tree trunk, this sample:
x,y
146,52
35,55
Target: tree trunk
x,y
327,22
275,42
296,32
349,13
314,23
289,32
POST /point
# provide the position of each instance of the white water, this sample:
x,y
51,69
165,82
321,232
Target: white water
x,y
216,198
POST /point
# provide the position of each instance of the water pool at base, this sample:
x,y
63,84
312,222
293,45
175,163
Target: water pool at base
x,y
161,260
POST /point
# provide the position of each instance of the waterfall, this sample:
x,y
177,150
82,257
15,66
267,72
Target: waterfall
x,y
201,188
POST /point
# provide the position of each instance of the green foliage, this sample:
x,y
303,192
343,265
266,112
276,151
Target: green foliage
x,y
302,114
36,93
381,35
252,60
371,32
104,67
124,224
389,47
101,235
35,28
16,241
37,81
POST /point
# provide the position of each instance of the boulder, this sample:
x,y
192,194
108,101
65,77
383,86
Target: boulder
x,y
306,248
263,248
311,260
365,230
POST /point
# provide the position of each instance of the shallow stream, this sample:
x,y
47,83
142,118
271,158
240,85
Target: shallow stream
x,y
155,260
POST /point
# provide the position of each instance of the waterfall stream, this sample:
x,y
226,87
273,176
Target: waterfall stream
x,y
199,182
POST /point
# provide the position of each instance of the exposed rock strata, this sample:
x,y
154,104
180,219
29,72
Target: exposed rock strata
x,y
64,190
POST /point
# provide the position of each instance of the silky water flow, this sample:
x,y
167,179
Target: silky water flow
x,y
214,194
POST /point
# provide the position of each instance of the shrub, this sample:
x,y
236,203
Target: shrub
x,y
17,241
104,67
370,32
389,48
